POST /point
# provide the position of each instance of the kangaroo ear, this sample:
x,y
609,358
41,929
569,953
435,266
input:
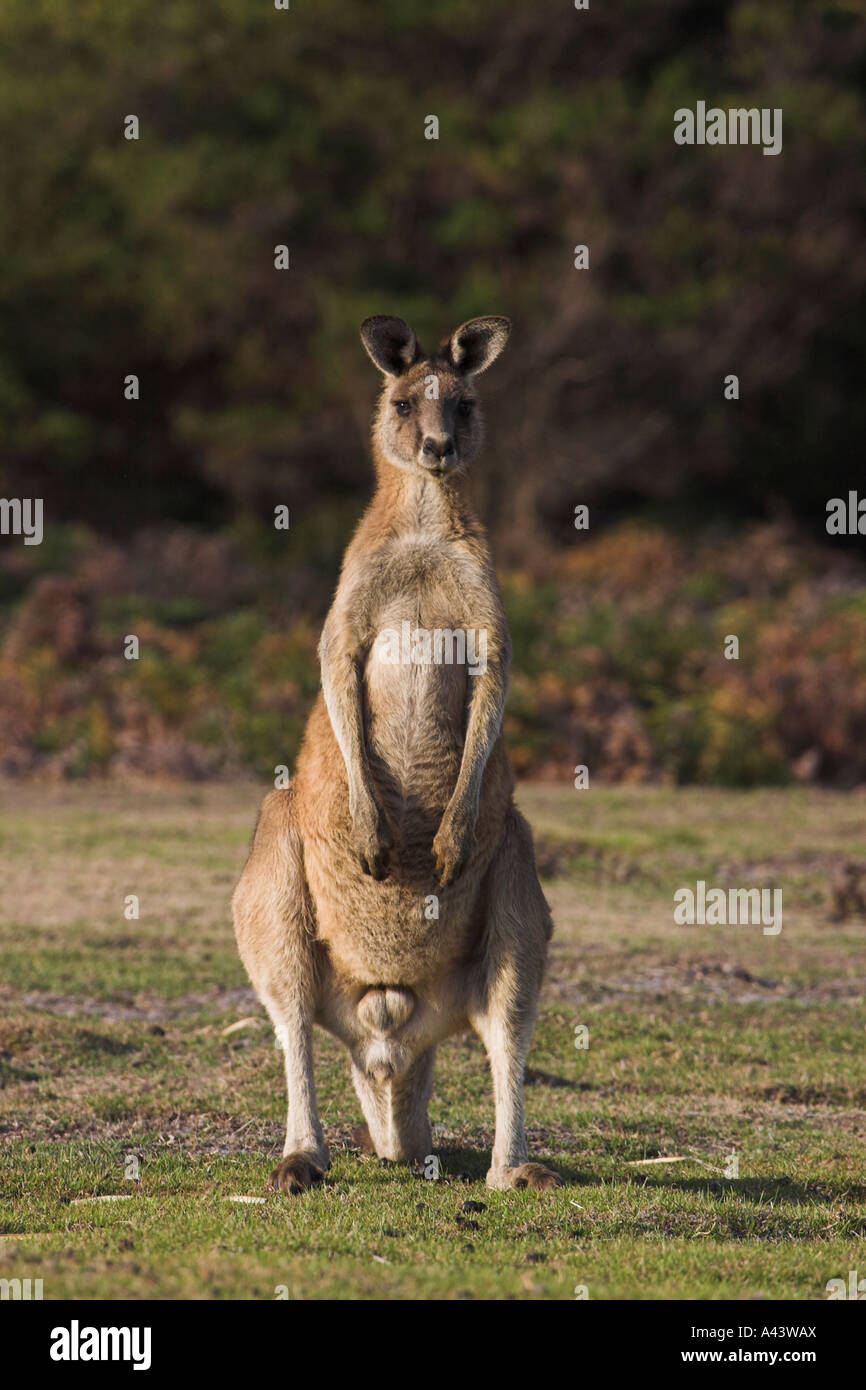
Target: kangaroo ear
x,y
391,343
474,345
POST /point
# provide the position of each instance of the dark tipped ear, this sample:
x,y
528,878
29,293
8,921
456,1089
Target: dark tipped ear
x,y
474,345
391,343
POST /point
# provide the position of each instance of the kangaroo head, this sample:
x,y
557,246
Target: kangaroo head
x,y
429,420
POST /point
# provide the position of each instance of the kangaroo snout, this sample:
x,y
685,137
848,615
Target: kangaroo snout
x,y
438,451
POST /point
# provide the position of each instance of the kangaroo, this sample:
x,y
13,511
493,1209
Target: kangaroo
x,y
391,894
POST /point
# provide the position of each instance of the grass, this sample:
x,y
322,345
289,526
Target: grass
x,y
114,1061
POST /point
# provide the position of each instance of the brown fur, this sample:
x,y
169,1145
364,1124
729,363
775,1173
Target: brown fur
x,y
403,792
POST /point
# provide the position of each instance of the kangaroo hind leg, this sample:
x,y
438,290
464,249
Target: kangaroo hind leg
x,y
275,928
506,998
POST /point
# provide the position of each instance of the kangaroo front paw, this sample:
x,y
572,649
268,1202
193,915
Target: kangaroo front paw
x,y
295,1173
372,844
534,1175
451,848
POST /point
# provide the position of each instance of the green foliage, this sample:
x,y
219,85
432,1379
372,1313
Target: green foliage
x,y
305,127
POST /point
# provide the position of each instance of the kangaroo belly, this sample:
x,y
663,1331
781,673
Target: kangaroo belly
x,y
415,688
393,932
415,716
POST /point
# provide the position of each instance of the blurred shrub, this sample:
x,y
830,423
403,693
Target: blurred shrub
x,y
306,127
618,660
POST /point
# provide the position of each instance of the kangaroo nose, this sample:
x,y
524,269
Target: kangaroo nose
x,y
439,447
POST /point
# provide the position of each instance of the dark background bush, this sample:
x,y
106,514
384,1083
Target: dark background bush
x,y
306,127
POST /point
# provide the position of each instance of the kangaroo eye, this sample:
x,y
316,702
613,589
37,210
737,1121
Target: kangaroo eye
x,y
465,408
402,407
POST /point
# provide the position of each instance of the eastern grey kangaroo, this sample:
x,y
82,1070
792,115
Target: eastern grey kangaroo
x,y
391,894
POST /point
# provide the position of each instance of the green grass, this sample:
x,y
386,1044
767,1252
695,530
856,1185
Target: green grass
x,y
702,1040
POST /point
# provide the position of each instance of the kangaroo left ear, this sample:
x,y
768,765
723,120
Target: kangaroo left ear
x,y
477,343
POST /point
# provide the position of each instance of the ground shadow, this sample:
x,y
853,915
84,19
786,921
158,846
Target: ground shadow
x,y
755,1189
533,1077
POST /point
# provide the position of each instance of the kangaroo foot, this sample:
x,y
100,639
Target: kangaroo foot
x,y
534,1175
295,1173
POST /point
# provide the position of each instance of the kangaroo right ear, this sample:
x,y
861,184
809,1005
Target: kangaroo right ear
x,y
477,343
391,343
